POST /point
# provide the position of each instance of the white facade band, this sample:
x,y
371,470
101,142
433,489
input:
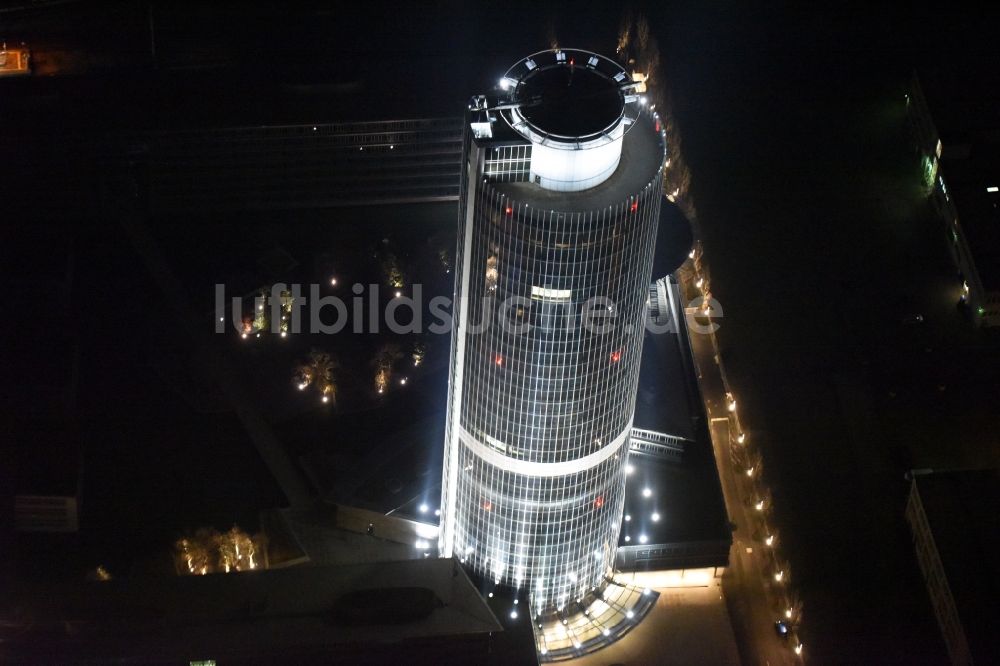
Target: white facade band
x,y
540,469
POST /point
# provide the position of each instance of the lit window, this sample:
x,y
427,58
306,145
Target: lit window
x,y
550,295
993,189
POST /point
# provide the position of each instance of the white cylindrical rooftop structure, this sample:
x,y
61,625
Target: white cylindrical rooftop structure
x,y
571,106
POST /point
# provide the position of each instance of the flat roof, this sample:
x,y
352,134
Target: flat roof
x,y
667,399
963,512
414,610
963,104
674,239
968,180
685,494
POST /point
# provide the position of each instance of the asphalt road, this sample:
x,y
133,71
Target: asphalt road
x,y
746,584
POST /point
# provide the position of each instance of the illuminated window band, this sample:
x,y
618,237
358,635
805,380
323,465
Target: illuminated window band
x,y
551,295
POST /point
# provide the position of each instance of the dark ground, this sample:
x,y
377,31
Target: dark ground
x,y
818,245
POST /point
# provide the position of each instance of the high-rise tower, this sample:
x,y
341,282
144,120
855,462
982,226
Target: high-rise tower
x,y
561,194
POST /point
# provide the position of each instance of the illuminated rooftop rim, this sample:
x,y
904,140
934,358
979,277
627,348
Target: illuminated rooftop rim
x,y
566,95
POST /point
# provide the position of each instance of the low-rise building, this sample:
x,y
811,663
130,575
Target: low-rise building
x,y
954,520
960,158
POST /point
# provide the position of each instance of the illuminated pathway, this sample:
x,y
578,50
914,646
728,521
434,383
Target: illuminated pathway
x,y
753,583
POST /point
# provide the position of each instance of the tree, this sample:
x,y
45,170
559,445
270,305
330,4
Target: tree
x,y
386,356
319,371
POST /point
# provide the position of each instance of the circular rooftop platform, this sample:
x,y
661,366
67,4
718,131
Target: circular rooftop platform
x,y
566,96
568,101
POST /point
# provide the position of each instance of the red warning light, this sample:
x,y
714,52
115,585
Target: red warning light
x,y
487,505
657,124
635,206
599,501
616,356
498,359
508,210
572,62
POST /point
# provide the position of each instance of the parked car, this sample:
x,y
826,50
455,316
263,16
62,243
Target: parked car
x,y
781,628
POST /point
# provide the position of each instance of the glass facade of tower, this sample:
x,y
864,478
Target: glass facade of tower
x,y
548,330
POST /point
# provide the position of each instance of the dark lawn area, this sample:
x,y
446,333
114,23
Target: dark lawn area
x,y
819,247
